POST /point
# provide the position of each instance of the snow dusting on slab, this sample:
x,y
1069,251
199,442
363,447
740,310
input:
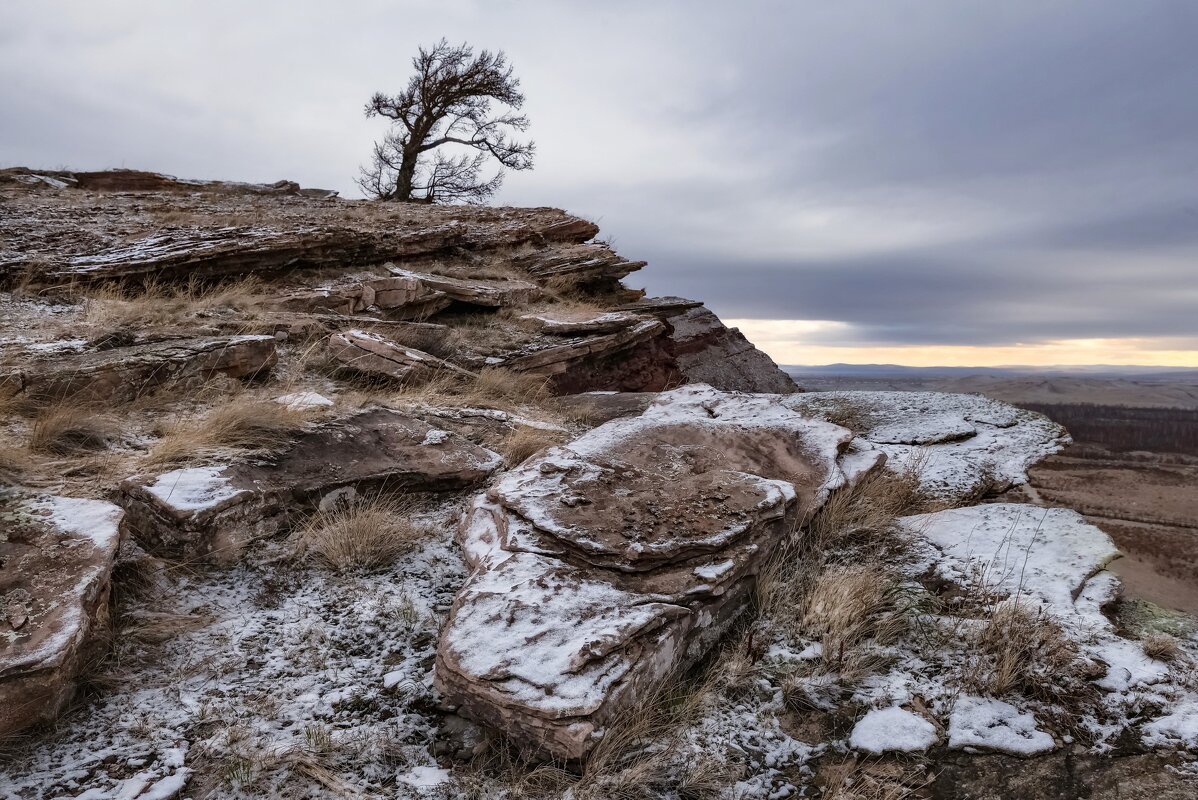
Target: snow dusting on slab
x,y
1044,553
194,489
962,444
885,730
982,723
424,777
1179,728
96,520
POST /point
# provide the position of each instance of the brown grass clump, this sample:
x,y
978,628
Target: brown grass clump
x,y
833,580
865,513
1023,650
66,429
494,383
638,754
362,534
852,610
243,423
153,306
840,411
857,524
440,343
15,463
1161,646
855,779
523,442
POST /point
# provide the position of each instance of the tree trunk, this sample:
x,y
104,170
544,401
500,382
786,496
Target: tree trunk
x,y
405,176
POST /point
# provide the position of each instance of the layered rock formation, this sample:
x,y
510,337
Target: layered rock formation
x,y
375,355
215,511
324,257
126,373
607,565
56,557
963,446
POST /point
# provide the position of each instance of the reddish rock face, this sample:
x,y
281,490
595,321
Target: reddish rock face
x,y
56,558
636,358
607,565
708,352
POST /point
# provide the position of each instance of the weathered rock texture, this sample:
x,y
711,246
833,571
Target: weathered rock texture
x,y
375,355
216,511
606,566
475,291
635,358
709,352
125,373
56,556
581,264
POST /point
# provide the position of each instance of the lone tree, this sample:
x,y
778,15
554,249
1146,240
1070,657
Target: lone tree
x,y
447,107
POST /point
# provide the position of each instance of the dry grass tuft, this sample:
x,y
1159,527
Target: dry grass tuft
x,y
853,611
858,523
833,581
15,463
154,306
1023,650
440,343
496,384
523,442
842,412
66,429
360,535
1162,647
873,780
242,422
865,514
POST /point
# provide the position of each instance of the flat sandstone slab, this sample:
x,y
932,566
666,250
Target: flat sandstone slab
x,y
215,511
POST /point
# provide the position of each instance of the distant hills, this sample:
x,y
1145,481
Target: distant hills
x,y
1149,387
900,371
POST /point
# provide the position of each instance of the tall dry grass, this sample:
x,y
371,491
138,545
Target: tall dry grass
x,y
362,534
244,423
66,429
154,306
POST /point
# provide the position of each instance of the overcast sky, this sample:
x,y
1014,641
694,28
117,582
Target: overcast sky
x,y
934,181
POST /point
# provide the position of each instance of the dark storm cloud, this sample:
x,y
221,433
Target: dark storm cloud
x,y
928,172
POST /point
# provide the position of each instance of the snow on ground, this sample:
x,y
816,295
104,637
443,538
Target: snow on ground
x,y
1044,554
893,729
983,723
271,665
301,400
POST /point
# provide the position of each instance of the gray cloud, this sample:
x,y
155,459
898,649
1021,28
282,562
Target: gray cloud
x,y
929,172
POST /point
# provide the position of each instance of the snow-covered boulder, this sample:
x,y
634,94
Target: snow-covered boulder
x,y
57,555
607,565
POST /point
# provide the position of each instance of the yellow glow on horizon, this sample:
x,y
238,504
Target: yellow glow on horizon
x,y
788,342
